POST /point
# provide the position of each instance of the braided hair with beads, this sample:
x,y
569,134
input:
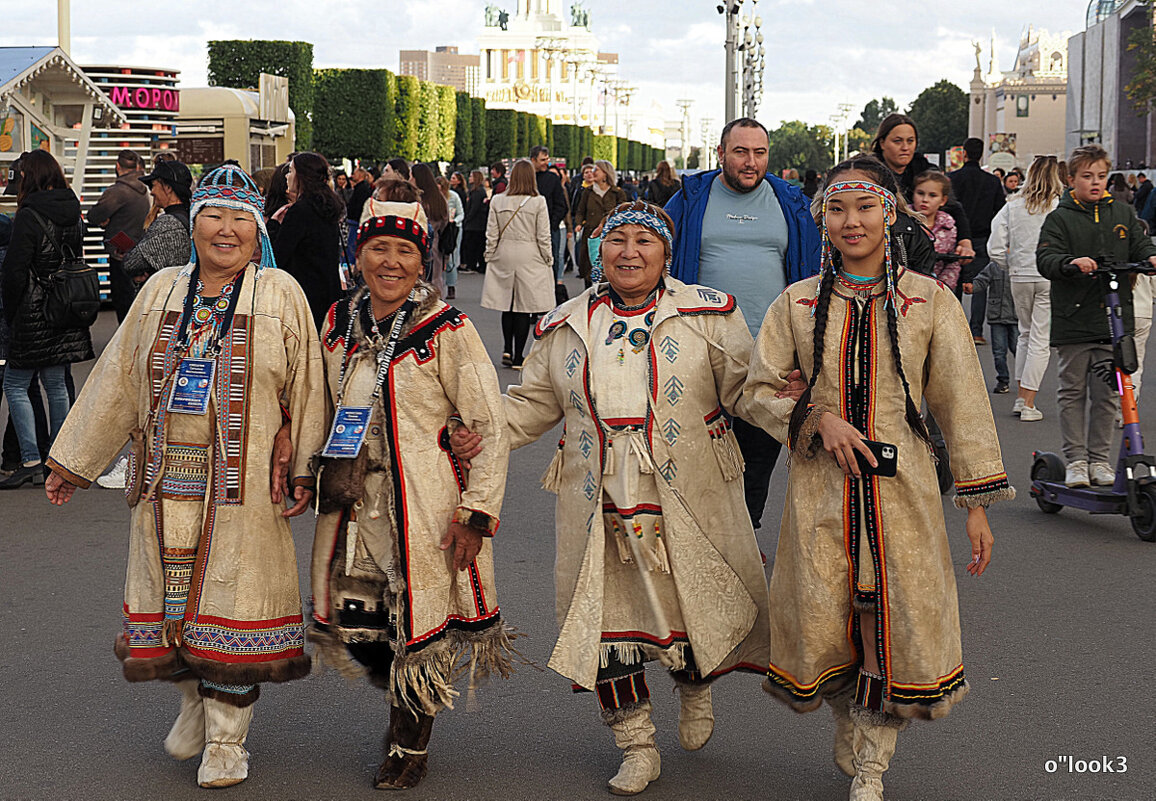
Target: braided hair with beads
x,y
883,179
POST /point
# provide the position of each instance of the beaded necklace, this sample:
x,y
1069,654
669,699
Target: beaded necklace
x,y
638,337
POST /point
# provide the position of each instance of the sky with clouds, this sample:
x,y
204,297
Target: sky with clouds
x,y
819,53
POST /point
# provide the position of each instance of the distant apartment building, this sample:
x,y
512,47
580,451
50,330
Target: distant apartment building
x,y
442,65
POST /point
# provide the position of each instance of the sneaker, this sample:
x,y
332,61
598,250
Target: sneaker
x,y
1030,414
1001,388
507,360
979,340
117,476
1102,474
1077,474
1018,406
451,293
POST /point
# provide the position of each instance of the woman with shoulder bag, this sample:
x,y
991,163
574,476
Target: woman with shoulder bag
x,y
47,225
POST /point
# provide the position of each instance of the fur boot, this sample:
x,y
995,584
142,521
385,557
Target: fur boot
x,y
634,734
225,761
695,714
187,736
844,751
406,750
874,745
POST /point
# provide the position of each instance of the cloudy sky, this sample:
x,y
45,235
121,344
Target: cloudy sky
x,y
820,53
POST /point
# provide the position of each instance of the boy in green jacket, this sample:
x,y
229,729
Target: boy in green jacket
x,y
1088,225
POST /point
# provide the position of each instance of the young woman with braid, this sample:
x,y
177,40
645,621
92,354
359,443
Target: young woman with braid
x,y
863,603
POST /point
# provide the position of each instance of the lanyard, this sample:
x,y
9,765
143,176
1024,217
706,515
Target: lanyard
x,y
187,314
384,357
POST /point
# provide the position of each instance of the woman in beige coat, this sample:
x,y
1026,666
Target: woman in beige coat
x,y
519,261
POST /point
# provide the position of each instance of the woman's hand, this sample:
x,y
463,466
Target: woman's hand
x,y
963,248
466,542
465,444
841,440
795,386
279,475
58,490
979,532
303,495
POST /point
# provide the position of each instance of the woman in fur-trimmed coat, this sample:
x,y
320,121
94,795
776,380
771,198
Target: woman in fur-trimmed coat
x,y
403,572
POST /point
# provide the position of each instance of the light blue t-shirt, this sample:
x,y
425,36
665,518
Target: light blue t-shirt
x,y
744,241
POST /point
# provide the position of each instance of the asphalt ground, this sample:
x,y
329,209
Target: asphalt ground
x,y
1058,648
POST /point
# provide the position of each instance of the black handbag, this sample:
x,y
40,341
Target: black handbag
x,y
448,239
72,291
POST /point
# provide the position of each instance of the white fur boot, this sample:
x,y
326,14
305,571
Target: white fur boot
x,y
187,736
844,750
641,764
225,761
874,744
695,715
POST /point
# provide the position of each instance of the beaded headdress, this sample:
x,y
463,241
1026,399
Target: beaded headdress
x,y
231,187
630,216
401,227
889,209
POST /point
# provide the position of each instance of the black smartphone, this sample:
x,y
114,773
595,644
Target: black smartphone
x,y
885,453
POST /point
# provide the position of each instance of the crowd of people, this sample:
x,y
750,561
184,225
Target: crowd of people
x,y
290,344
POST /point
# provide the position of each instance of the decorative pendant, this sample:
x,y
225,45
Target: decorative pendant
x,y
617,331
638,339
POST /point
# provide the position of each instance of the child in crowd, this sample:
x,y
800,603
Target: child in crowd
x,y
1088,225
872,630
1001,318
932,191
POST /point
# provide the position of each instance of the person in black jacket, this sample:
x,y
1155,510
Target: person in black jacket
x,y
981,195
474,225
47,225
663,187
307,245
550,187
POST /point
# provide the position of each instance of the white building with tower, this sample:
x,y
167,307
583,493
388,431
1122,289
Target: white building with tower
x,y
1021,112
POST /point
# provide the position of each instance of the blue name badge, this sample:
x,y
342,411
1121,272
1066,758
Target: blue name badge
x,y
194,386
347,435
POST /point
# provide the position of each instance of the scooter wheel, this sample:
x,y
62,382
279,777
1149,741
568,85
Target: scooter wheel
x,y
1144,523
1048,467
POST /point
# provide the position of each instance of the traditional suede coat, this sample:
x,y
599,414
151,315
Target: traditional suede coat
x,y
243,618
414,488
834,529
697,353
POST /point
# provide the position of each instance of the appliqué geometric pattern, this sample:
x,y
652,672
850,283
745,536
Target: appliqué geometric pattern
x,y
669,348
586,443
572,362
672,390
225,640
576,402
710,296
670,431
589,486
668,470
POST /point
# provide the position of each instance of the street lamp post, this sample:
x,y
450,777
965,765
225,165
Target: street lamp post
x,y
743,36
685,105
552,48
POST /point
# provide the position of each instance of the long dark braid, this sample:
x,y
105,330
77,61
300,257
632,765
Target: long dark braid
x,y
822,306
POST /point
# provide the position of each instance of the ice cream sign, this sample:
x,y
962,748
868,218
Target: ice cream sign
x,y
145,97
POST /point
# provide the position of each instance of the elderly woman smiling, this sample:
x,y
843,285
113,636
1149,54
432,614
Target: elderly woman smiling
x,y
212,359
403,577
656,558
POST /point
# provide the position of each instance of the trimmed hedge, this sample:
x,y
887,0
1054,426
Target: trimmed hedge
x,y
354,113
238,64
480,131
501,134
463,129
448,121
605,148
408,110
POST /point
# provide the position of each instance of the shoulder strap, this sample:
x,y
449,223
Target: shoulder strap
x,y
502,230
48,233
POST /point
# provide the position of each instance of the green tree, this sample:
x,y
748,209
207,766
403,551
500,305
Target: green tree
x,y
406,117
238,63
480,132
448,117
501,133
463,129
874,112
1141,89
354,113
940,114
859,139
428,122
800,146
604,148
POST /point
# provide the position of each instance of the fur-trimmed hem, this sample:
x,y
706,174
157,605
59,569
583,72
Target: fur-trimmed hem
x,y
612,716
871,717
330,651
985,499
837,685
863,605
159,668
296,667
239,700
935,711
807,442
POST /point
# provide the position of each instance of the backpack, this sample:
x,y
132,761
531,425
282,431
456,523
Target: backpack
x,y
72,291
448,239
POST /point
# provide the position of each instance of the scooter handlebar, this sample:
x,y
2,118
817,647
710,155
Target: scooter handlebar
x,y
1071,270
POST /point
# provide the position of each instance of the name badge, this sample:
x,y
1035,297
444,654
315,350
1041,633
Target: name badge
x,y
350,425
193,387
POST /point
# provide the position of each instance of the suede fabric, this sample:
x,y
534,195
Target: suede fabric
x,y
243,621
697,355
814,650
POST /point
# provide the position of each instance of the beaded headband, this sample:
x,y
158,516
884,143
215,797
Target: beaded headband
x,y
889,208
231,187
401,227
629,216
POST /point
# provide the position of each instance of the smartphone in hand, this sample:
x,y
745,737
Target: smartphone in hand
x,y
886,454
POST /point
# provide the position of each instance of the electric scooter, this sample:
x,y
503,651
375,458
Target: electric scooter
x,y
1134,491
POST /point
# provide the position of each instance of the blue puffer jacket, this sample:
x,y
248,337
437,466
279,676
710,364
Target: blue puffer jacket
x,y
688,206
